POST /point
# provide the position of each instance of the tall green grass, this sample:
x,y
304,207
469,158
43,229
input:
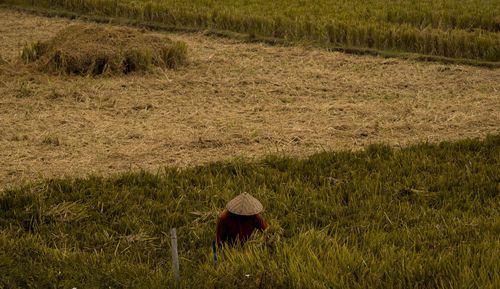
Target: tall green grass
x,y
425,216
457,29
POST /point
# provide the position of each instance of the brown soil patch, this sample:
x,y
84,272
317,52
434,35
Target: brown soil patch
x,y
233,100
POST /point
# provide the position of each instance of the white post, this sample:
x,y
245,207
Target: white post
x,y
175,257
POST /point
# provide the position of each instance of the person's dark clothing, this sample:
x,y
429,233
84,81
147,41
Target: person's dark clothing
x,y
231,226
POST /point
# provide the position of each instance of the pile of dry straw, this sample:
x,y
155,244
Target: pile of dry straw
x,y
96,50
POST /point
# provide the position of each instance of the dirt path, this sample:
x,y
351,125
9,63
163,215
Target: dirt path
x,y
233,100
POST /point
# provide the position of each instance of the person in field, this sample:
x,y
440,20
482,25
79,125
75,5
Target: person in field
x,y
240,218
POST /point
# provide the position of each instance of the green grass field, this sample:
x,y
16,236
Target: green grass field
x,y
424,216
455,29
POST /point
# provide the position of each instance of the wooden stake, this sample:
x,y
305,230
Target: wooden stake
x,y
175,257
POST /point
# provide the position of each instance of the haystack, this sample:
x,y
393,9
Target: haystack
x,y
92,49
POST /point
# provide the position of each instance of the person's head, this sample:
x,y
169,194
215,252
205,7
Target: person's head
x,y
244,205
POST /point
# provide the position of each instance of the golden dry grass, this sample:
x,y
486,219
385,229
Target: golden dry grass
x,y
233,100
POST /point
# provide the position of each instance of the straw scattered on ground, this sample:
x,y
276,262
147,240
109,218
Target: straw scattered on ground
x,y
234,99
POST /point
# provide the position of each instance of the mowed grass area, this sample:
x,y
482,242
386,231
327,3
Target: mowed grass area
x,y
424,216
456,29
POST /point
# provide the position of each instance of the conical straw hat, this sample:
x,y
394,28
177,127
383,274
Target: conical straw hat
x,y
244,205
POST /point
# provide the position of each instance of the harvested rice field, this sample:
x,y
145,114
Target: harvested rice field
x,y
372,172
232,100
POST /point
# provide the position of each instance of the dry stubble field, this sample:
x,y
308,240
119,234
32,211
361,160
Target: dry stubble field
x,y
234,99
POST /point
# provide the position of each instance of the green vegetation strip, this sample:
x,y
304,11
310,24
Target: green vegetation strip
x,y
425,216
456,29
